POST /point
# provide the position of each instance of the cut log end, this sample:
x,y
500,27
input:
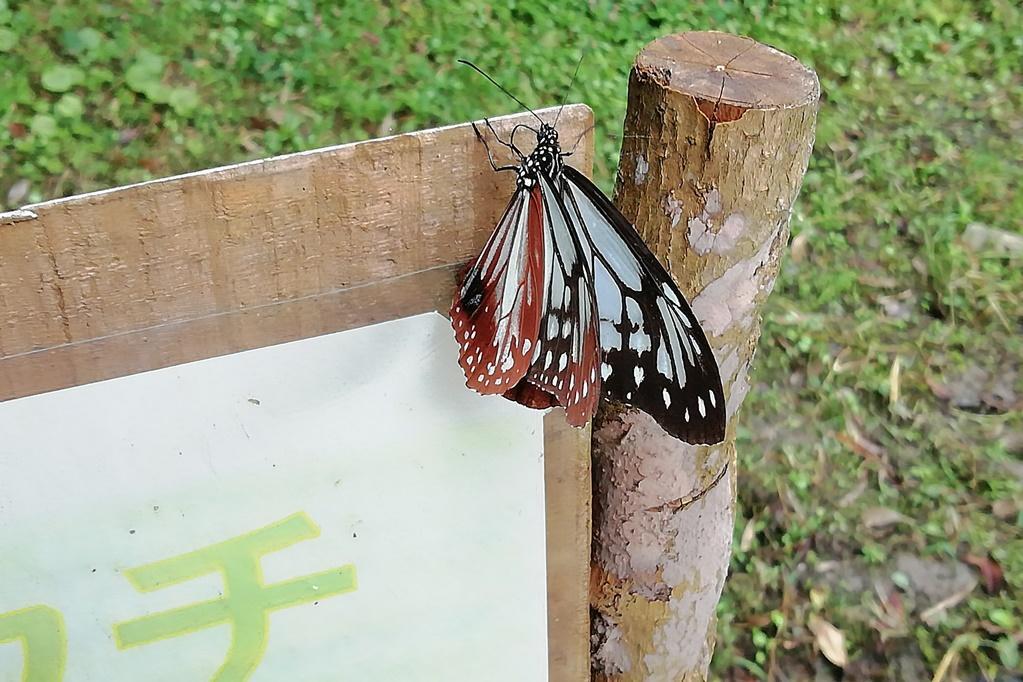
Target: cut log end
x,y
728,75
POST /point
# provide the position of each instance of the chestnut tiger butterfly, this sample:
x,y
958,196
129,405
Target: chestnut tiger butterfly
x,y
566,304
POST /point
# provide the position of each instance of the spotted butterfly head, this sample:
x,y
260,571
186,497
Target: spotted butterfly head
x,y
547,136
545,159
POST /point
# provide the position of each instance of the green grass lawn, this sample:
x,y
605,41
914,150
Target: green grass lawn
x,y
881,445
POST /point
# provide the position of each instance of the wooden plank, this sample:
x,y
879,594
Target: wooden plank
x,y
567,478
184,268
172,343
251,234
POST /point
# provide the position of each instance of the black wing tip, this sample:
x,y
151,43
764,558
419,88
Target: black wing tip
x,y
715,438
706,431
691,436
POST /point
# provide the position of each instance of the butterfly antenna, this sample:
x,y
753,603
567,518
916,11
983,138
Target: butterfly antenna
x,y
569,89
500,87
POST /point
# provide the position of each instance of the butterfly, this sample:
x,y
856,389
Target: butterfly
x,y
566,304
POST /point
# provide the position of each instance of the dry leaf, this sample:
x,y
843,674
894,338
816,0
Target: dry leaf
x,y
127,135
889,611
854,494
877,281
799,247
934,614
17,192
386,126
894,384
748,533
830,640
976,389
980,237
990,572
858,442
17,130
881,517
899,306
1004,509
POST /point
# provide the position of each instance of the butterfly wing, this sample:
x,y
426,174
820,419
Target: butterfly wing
x,y
566,361
497,310
655,354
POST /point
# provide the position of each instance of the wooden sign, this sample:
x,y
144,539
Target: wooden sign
x,y
279,474
332,504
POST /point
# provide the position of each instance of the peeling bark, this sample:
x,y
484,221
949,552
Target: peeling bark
x,y
718,134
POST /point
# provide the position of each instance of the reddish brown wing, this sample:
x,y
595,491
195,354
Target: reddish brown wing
x,y
565,364
497,311
531,395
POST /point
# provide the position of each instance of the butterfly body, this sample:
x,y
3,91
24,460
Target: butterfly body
x,y
546,159
566,304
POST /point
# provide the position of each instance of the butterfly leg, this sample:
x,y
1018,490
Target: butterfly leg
x,y
486,146
578,140
510,144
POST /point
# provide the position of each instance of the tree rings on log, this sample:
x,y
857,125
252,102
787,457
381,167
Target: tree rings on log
x,y
728,75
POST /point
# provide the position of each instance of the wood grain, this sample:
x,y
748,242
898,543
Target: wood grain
x,y
219,261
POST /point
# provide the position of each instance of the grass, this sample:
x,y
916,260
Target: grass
x,y
885,424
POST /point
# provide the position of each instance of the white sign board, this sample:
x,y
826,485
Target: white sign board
x,y
337,508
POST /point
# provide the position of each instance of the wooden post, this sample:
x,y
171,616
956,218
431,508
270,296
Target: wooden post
x,y
718,133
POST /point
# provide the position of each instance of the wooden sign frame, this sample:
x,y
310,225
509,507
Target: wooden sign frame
x,y
136,278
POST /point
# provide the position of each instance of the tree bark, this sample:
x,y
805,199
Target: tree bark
x,y
718,134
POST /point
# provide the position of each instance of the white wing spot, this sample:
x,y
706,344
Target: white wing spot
x,y
605,370
667,398
563,362
713,401
638,374
669,294
687,414
507,364
547,360
497,381
526,345
586,389
633,312
663,363
628,396
703,408
566,327
481,378
640,341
